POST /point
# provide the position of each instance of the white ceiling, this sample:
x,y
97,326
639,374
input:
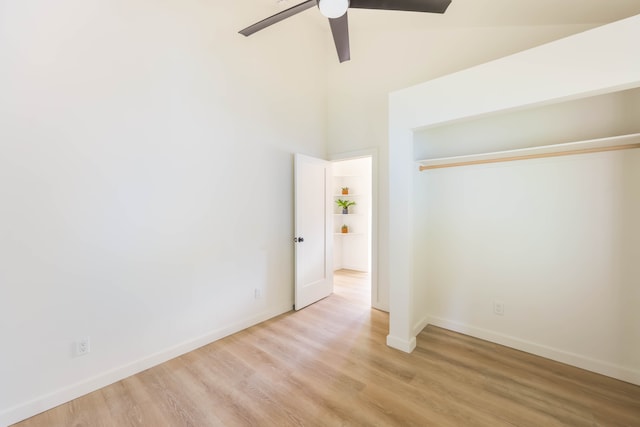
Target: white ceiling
x,y
468,13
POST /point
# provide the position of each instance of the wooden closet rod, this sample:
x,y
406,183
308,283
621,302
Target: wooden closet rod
x,y
531,156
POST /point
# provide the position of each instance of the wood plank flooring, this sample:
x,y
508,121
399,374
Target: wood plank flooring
x,y
328,365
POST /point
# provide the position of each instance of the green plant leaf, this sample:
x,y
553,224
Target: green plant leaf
x,y
345,203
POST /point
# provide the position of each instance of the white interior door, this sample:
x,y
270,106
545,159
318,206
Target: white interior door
x,y
313,230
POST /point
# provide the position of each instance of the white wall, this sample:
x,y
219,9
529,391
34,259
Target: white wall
x,y
578,120
384,61
138,140
556,240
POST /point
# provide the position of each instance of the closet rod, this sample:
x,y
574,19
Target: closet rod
x,y
531,156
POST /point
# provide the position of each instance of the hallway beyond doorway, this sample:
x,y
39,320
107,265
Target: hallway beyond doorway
x,y
354,286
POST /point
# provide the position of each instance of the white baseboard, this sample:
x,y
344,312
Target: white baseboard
x,y
401,344
418,327
362,268
601,367
381,307
42,403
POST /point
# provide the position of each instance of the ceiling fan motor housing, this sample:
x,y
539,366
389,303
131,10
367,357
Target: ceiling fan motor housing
x,y
333,8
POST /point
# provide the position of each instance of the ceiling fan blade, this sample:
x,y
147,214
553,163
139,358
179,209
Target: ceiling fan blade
x,y
278,17
340,31
432,6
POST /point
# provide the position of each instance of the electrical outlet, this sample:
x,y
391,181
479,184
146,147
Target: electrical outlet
x,y
498,308
257,293
83,346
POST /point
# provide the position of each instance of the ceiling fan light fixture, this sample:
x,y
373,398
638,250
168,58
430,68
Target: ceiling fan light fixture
x,y
333,8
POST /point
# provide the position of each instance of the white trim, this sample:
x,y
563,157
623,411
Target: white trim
x,y
376,301
601,367
400,257
419,326
401,344
361,268
66,394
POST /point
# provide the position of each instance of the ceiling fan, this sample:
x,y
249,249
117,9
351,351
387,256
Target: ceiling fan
x,y
336,11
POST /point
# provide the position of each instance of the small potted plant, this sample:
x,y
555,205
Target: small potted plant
x,y
344,204
345,190
345,229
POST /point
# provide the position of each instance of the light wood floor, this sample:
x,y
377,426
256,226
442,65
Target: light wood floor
x,y
327,365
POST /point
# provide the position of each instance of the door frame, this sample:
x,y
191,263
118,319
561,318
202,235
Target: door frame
x,y
378,301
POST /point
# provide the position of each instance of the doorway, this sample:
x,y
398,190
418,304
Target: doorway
x,y
352,191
